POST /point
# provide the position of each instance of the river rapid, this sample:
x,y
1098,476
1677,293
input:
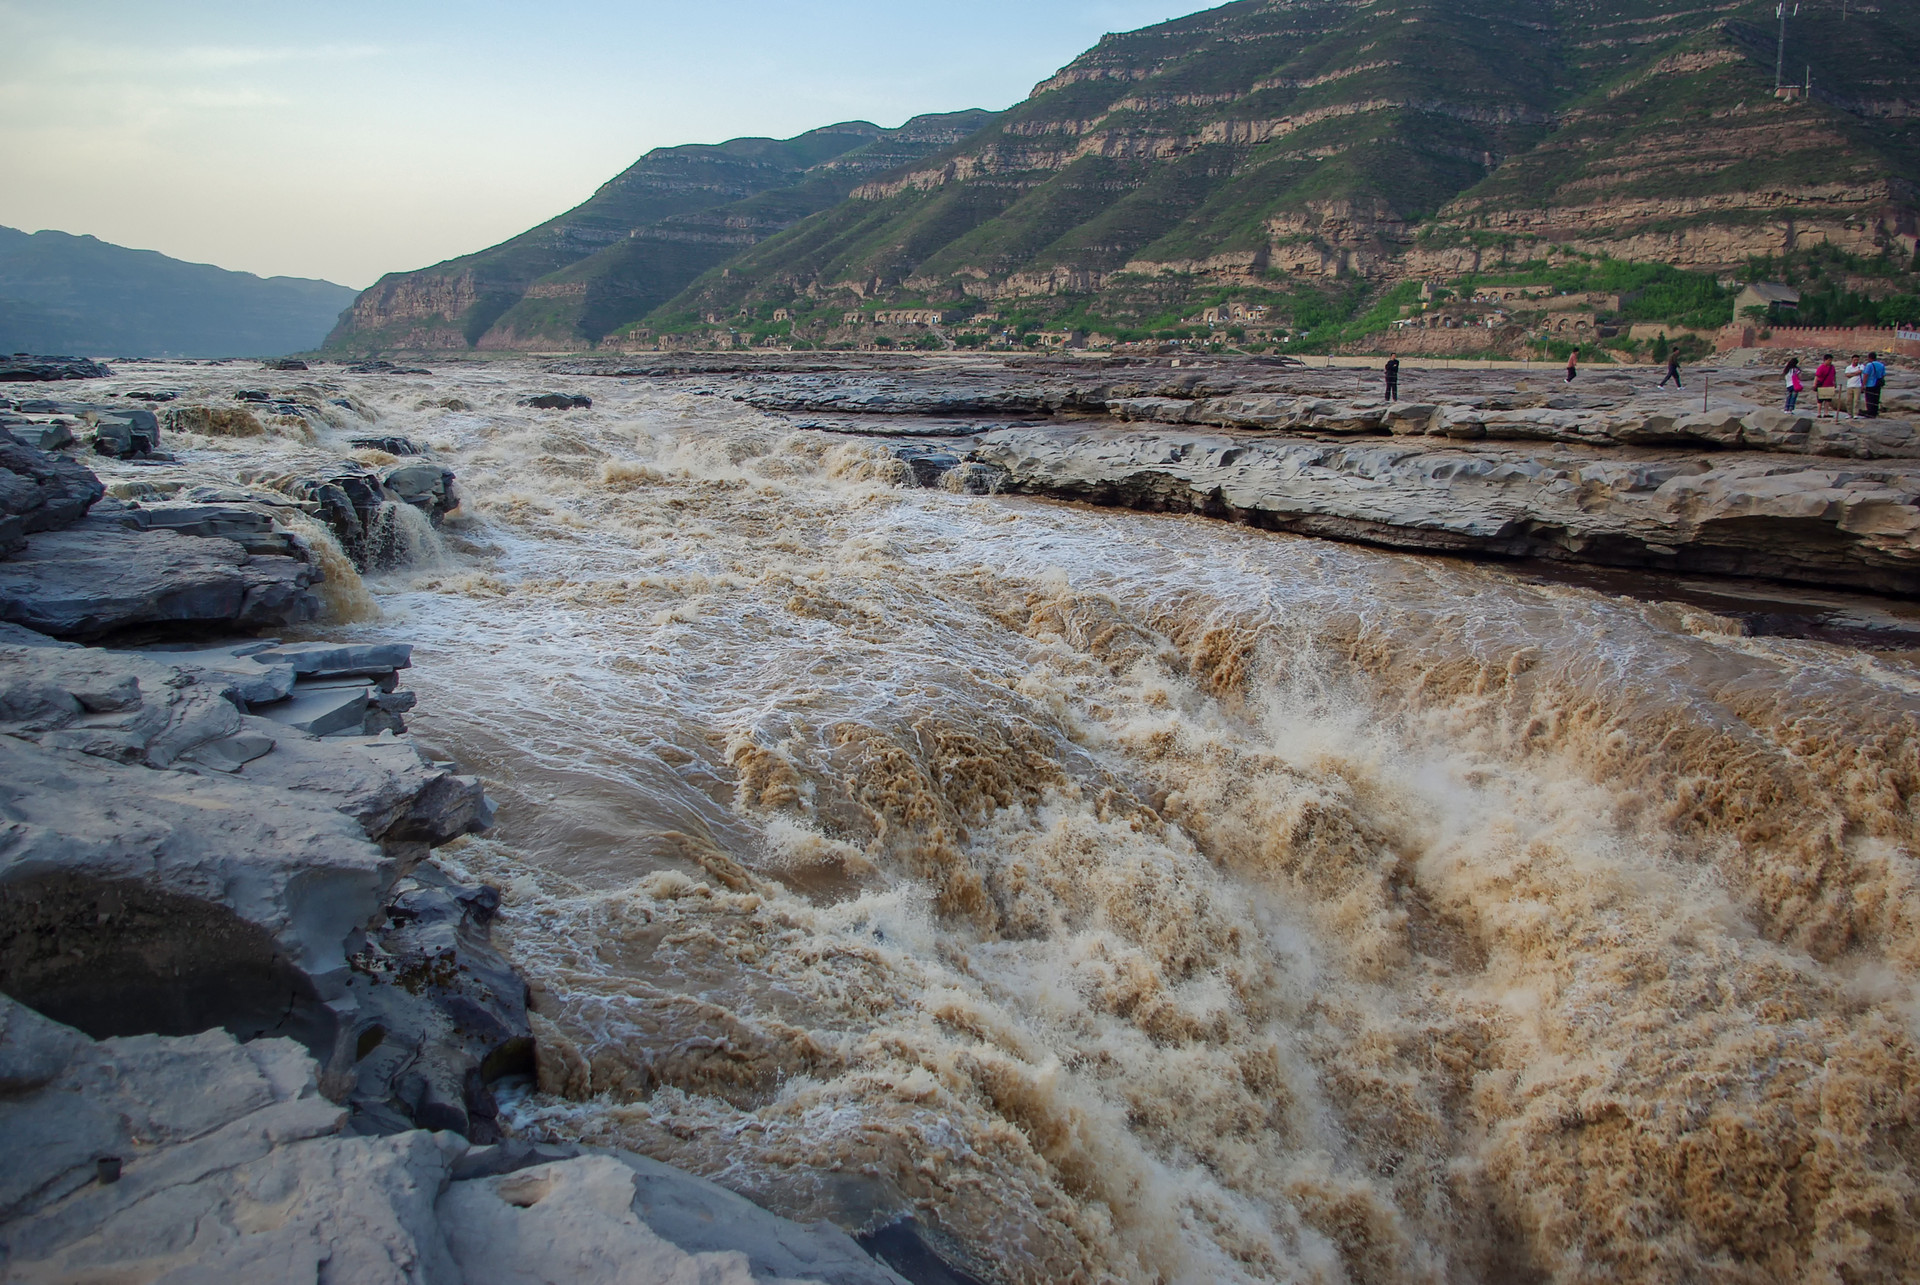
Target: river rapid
x,y
1143,898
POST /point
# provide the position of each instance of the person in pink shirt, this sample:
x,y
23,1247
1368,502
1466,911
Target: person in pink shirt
x,y
1826,386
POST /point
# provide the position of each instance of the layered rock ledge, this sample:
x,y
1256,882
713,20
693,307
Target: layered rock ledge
x,y
1733,513
1611,471
22,368
235,836
199,1158
251,1029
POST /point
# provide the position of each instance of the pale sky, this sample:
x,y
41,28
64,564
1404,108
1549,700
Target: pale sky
x,y
347,138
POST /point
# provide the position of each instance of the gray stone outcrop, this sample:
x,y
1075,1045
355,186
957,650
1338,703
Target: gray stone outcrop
x,y
425,485
356,502
21,368
201,1159
228,870
1738,513
125,433
103,576
40,491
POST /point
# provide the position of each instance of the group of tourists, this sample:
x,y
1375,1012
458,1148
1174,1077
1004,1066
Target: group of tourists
x,y
1858,398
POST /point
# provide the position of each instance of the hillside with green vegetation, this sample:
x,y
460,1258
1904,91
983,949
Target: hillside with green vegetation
x,y
636,242
1307,158
1310,155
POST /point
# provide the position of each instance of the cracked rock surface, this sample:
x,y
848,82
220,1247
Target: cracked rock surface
x,y
1733,513
201,1159
172,861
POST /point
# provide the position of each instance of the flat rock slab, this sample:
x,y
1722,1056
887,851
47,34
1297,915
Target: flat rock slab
x,y
1724,513
300,871
320,659
25,369
321,710
254,526
12,635
41,437
231,668
227,1164
164,708
96,578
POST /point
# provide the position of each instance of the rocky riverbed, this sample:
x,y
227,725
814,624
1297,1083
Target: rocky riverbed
x,y
968,883
250,1028
1610,471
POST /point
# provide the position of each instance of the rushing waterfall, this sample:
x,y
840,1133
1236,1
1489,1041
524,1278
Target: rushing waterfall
x,y
346,595
402,536
1147,898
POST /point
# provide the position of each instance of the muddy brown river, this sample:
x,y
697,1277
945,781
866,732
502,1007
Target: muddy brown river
x,y
1144,898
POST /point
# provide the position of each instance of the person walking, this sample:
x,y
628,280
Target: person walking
x,y
1393,379
1855,369
1673,371
1825,385
1873,378
1791,376
1573,364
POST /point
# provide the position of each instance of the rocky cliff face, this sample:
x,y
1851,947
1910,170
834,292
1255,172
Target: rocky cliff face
x,y
452,304
635,243
1690,159
1258,143
1262,141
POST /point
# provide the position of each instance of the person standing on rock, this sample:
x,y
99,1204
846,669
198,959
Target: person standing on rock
x,y
1791,377
1873,377
1825,382
1855,369
1393,379
1573,364
1673,370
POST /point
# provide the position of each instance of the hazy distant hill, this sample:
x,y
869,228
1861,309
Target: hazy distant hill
x,y
78,294
641,238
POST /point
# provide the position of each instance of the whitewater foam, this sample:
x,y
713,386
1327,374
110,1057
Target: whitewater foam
x,y
1144,898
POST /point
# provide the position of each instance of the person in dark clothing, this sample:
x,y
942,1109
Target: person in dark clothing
x,y
1872,380
1673,371
1393,379
1573,364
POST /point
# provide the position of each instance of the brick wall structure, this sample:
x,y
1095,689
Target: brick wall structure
x,y
1904,341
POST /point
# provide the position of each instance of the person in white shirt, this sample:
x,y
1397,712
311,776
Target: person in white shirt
x,y
1855,370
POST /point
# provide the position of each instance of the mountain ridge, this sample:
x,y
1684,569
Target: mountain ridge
x,y
66,292
635,242
1317,151
1417,144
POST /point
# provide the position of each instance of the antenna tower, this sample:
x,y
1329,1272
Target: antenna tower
x,y
1780,53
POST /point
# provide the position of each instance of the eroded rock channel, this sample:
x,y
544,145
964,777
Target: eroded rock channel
x,y
972,884
250,1029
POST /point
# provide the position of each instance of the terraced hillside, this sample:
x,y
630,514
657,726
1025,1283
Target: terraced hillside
x,y
1273,141
643,236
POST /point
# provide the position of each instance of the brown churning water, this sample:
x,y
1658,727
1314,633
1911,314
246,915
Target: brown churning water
x,y
1143,898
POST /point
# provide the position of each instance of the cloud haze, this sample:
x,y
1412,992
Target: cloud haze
x,y
356,138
